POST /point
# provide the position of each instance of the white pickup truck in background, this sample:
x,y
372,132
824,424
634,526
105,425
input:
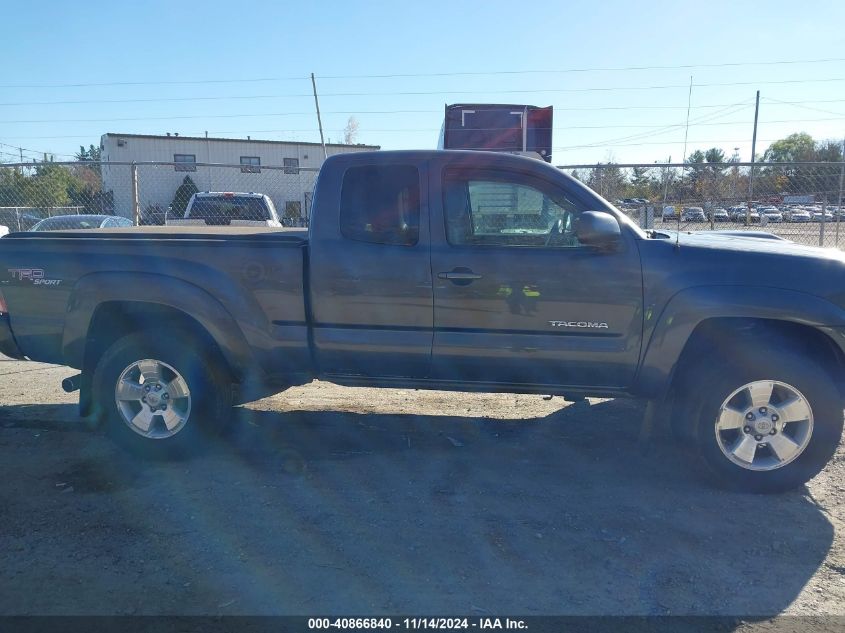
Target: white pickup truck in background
x,y
217,208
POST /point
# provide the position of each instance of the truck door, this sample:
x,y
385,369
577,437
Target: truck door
x,y
370,273
517,299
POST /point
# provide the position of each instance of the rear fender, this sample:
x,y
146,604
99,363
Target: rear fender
x,y
96,289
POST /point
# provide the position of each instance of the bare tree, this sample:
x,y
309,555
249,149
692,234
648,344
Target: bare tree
x,y
350,132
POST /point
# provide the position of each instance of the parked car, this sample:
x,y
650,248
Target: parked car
x,y
219,208
720,215
826,216
401,282
836,211
669,213
740,212
771,214
693,214
797,215
4,230
74,222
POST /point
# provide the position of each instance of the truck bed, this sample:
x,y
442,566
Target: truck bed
x,y
252,275
175,232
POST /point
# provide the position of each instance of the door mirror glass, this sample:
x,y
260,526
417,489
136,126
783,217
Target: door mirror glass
x,y
598,229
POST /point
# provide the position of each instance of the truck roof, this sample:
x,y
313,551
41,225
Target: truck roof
x,y
472,158
228,194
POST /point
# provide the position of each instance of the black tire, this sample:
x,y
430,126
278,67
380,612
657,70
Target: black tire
x,y
203,372
714,379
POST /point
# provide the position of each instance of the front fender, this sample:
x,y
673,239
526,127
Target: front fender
x,y
93,290
690,307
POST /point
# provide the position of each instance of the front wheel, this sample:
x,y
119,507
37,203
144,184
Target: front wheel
x,y
767,423
161,398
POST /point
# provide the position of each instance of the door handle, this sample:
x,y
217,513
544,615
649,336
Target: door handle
x,y
459,274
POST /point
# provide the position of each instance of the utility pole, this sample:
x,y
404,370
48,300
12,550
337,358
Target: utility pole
x,y
753,152
684,160
666,185
735,159
841,182
319,121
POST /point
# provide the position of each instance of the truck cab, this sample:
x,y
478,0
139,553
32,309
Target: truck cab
x,y
464,267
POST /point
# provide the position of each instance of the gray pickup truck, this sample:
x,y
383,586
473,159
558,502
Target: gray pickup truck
x,y
468,271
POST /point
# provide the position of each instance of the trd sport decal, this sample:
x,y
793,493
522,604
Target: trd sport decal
x,y
35,275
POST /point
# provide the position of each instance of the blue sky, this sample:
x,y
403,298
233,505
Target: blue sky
x,y
599,114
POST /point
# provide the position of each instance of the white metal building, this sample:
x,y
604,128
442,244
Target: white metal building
x,y
289,188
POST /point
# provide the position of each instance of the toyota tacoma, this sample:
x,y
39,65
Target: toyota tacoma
x,y
458,270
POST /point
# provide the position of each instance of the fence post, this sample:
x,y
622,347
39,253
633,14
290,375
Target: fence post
x,y
136,201
821,226
839,202
18,217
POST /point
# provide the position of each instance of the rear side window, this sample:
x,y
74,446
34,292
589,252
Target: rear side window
x,y
381,204
226,209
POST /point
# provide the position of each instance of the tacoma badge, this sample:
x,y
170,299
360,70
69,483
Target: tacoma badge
x,y
594,325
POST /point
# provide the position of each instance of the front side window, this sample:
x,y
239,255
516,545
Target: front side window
x,y
501,209
185,162
381,204
250,165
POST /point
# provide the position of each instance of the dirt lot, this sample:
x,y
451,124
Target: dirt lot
x,y
334,500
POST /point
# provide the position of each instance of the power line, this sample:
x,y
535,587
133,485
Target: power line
x,y
659,128
727,111
798,104
35,151
701,142
356,112
427,93
241,80
583,70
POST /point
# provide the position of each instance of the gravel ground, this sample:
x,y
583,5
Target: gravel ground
x,y
326,499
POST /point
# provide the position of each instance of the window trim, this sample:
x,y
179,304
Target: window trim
x,y
518,178
184,165
250,168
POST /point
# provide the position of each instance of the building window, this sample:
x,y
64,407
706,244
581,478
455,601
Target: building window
x,y
250,165
185,162
291,165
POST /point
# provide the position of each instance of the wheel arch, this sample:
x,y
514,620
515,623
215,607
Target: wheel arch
x,y
702,320
104,307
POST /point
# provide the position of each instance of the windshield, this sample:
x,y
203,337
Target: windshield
x,y
229,208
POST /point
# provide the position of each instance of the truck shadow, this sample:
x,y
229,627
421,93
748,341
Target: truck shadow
x,y
325,511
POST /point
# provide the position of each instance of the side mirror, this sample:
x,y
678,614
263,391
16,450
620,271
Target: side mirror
x,y
598,229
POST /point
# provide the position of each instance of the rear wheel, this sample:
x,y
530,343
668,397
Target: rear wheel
x,y
767,423
161,397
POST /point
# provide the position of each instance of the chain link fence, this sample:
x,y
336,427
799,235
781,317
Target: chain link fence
x,y
154,193
801,202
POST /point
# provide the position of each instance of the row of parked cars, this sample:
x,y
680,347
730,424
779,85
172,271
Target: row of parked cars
x,y
762,214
